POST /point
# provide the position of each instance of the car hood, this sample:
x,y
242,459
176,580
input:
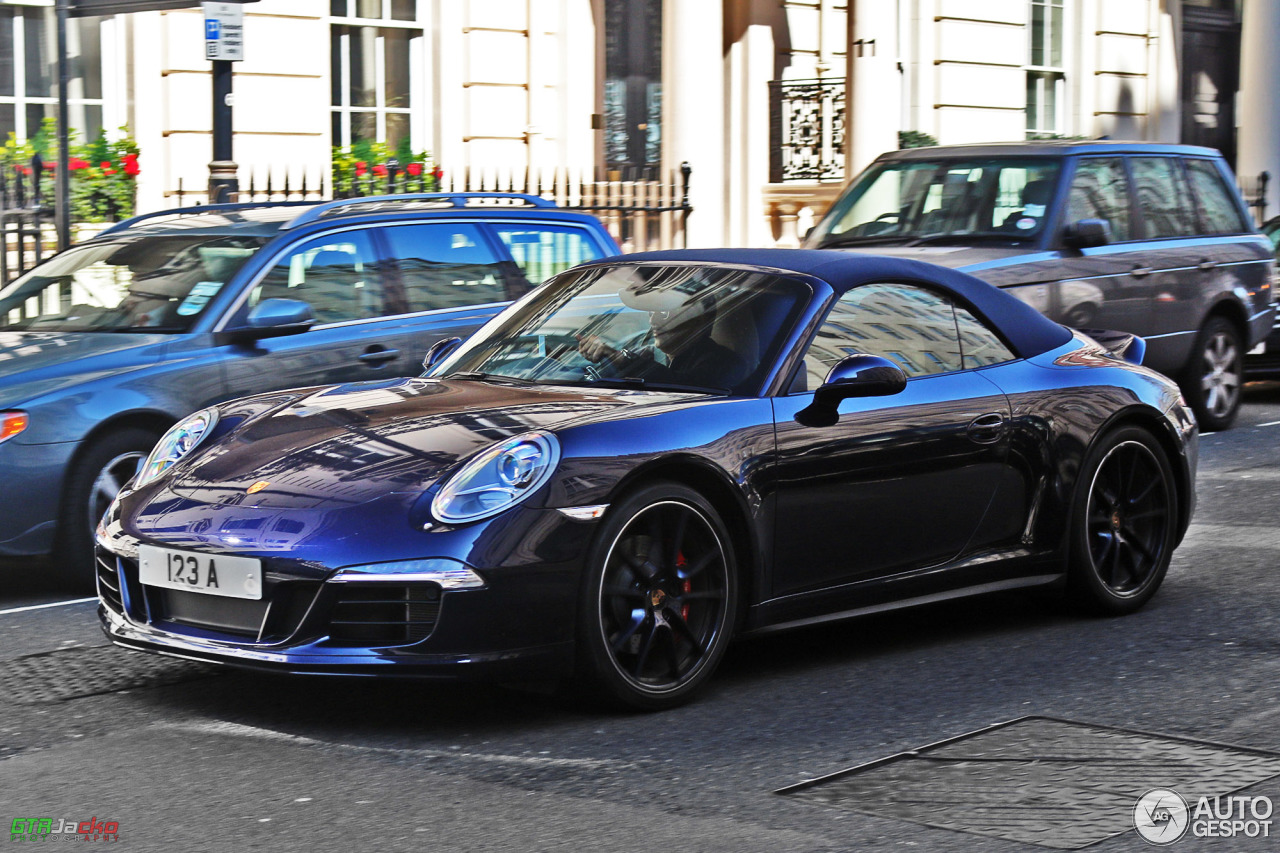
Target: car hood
x,y
33,364
351,444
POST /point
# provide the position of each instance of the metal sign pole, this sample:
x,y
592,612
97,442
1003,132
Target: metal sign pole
x,y
224,44
223,170
62,184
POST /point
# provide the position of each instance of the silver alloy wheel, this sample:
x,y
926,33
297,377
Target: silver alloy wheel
x,y
110,480
1221,380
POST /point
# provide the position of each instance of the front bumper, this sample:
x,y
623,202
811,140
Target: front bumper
x,y
519,626
28,524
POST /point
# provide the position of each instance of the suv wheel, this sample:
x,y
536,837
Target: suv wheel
x,y
95,479
1215,377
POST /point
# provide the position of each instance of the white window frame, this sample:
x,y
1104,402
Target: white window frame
x,y
20,100
379,110
1040,120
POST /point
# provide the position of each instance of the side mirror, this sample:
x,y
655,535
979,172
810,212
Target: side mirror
x,y
1087,233
274,318
439,351
858,375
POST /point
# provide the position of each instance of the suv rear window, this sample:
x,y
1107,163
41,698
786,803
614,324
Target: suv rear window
x,y
1217,205
1163,200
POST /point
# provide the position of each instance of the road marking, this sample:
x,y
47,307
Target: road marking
x,y
1270,423
44,606
242,730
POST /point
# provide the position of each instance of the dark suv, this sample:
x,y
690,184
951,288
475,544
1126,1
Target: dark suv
x,y
106,345
1140,237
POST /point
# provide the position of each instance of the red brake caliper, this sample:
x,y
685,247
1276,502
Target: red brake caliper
x,y
687,586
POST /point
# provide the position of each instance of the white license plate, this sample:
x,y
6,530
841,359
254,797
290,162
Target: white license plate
x,y
211,574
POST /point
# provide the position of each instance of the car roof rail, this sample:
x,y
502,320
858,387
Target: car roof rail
x,y
370,204
197,210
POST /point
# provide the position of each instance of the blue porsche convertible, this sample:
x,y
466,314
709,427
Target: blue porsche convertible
x,y
646,457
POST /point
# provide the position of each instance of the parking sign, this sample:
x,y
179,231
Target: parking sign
x,y
223,31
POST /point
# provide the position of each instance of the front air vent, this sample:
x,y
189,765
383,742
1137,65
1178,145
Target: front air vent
x,y
383,614
108,580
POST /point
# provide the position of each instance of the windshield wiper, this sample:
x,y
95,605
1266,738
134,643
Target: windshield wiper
x,y
965,236
480,376
648,385
861,240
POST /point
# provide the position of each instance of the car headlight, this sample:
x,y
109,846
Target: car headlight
x,y
498,478
177,443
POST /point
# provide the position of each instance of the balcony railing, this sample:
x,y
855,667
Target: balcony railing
x,y
806,130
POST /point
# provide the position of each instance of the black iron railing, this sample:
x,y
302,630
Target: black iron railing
x,y
23,217
1254,191
806,130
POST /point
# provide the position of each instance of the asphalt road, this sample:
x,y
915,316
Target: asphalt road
x,y
233,761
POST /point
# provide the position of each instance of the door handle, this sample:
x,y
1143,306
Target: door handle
x,y
377,356
987,429
1140,272
1207,265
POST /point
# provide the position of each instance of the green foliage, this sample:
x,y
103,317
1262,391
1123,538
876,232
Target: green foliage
x,y
915,139
103,172
357,169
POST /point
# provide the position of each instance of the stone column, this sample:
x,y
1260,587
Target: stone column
x,y
1258,104
874,97
693,111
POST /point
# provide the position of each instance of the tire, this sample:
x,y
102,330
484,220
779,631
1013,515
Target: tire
x,y
93,480
1214,378
652,627
1124,520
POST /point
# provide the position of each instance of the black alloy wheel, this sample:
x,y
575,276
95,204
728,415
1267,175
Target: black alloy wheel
x,y
94,480
1125,523
1215,378
659,599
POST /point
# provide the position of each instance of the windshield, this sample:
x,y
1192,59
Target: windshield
x,y
684,328
918,201
139,284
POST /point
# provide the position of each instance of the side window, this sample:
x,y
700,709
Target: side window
x,y
979,345
337,275
908,325
544,250
1163,200
1217,203
445,265
1100,190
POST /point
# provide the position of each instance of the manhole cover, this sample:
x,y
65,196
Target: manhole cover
x,y
1039,780
91,671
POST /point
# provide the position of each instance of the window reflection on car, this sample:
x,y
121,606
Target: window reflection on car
x,y
157,284
709,330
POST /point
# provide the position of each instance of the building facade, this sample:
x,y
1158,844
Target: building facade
x,y
773,103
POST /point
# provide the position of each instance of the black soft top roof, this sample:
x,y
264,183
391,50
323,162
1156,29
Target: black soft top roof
x,y
1028,331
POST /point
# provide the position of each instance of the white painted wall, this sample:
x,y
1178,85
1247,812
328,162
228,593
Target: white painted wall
x,y
1258,107
281,114
693,111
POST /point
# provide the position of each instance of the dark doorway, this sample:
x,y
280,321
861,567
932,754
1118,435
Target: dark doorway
x,y
633,86
1210,76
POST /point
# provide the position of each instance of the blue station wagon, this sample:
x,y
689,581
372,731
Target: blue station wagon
x,y
106,345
